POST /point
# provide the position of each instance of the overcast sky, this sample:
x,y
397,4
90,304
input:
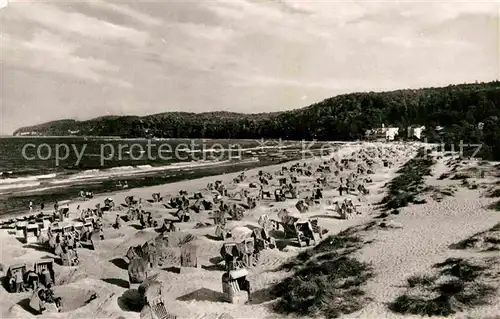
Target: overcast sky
x,y
77,59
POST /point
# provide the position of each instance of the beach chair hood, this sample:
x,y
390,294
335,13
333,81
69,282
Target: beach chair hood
x,y
239,233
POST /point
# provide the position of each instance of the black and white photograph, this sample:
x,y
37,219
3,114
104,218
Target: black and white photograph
x,y
249,159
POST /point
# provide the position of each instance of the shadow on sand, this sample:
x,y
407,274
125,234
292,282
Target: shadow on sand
x,y
137,227
252,227
38,247
203,294
25,304
131,300
261,296
217,267
117,282
212,237
120,263
173,269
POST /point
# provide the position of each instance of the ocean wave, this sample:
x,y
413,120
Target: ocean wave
x,y
235,149
42,189
122,168
140,169
27,179
52,181
17,186
18,172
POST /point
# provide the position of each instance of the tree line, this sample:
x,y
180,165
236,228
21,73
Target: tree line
x,y
457,108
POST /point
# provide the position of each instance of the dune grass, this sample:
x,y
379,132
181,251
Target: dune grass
x,y
326,279
455,287
494,193
458,285
443,176
405,188
495,206
488,240
438,193
420,280
459,176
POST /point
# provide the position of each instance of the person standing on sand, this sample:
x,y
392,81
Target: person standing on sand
x,y
42,206
99,226
118,221
56,206
19,281
31,206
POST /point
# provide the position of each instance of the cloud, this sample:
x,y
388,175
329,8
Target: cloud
x,y
126,11
49,52
210,33
50,16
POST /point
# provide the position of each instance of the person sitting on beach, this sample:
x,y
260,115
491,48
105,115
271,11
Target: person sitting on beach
x,y
168,226
32,279
42,206
245,286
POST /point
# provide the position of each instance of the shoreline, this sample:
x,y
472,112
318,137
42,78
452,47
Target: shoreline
x,y
144,181
166,188
204,170
48,186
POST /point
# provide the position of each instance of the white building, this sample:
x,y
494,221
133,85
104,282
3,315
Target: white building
x,y
382,133
416,131
391,133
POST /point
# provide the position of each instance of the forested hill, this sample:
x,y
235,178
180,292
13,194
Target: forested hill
x,y
458,108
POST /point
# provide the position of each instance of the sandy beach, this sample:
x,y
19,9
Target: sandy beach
x,y
419,236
